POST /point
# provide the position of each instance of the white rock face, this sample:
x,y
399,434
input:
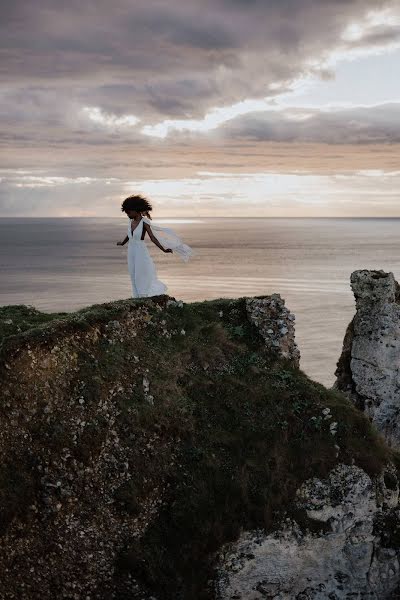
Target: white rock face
x,y
369,367
344,560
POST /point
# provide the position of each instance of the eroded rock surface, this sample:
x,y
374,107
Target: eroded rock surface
x,y
369,367
346,559
276,325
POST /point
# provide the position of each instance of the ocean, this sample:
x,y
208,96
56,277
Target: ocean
x,y
62,264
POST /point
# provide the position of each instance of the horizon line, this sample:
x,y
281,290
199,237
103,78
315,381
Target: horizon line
x,y
203,217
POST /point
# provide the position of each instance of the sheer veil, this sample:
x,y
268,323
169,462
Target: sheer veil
x,y
169,239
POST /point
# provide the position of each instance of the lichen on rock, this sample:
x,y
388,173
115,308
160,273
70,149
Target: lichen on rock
x,y
276,325
344,560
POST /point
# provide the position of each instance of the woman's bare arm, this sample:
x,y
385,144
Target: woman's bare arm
x,y
123,241
154,239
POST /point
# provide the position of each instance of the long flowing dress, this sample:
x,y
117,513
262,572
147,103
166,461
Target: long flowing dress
x,y
140,264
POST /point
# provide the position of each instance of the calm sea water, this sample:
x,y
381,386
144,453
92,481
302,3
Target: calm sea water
x,y
66,264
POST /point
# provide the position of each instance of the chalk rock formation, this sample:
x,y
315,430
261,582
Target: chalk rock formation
x,y
276,325
345,559
369,368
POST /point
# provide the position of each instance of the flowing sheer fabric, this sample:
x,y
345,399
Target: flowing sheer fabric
x,y
140,264
169,239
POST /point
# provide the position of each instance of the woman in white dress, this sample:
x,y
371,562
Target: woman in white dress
x,y
140,264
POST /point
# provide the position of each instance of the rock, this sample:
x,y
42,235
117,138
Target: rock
x,y
275,324
344,560
368,369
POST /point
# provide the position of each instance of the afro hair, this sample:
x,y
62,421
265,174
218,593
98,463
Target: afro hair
x,y
138,203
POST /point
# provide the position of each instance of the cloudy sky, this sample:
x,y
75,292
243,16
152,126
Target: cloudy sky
x,y
210,108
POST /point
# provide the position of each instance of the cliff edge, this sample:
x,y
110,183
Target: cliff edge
x,y
156,449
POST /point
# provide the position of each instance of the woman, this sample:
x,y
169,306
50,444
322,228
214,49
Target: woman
x,y
140,264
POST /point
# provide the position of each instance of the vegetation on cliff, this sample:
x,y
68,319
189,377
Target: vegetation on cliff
x,y
155,431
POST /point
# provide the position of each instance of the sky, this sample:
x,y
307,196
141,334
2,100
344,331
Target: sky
x,y
281,108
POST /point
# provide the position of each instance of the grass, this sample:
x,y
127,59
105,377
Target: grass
x,y
19,318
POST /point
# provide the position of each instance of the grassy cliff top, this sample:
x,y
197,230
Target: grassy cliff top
x,y
211,428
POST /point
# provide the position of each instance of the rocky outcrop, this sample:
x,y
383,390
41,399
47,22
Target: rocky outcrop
x,y
347,558
276,325
140,437
369,368
92,409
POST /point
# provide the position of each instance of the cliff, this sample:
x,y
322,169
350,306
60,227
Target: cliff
x,y
156,449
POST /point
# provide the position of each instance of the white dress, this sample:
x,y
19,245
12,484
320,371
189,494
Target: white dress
x,y
140,264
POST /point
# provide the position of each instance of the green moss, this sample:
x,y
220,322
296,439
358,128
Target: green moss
x,y
19,318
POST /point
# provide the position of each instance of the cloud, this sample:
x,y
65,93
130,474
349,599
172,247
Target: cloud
x,y
28,194
86,88
355,125
210,193
379,36
98,116
177,60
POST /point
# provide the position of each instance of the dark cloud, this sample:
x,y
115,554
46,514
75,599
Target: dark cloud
x,y
160,60
190,29
379,36
358,125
